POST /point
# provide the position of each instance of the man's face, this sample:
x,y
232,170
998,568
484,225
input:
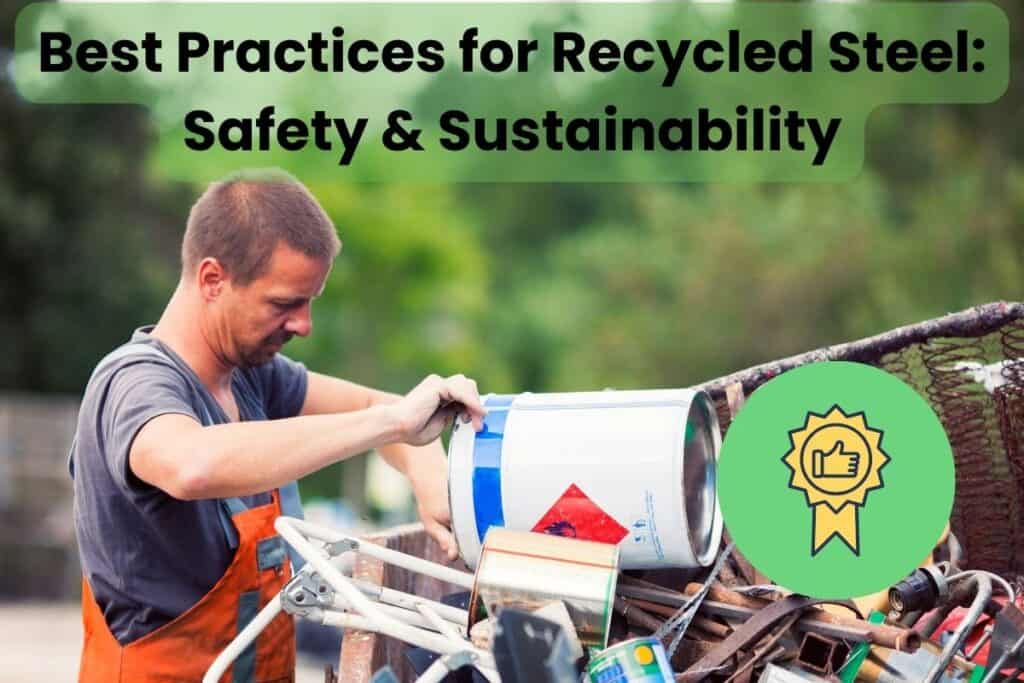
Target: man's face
x,y
261,317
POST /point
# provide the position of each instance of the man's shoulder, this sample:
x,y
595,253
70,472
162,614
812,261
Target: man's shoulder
x,y
131,353
133,364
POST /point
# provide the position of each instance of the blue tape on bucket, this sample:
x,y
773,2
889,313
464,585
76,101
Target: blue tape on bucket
x,y
487,465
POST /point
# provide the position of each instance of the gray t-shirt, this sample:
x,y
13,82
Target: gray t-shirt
x,y
148,557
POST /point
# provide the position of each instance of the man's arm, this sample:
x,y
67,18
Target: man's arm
x,y
425,466
189,461
325,395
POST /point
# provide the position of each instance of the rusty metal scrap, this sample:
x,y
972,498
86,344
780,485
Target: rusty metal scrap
x,y
749,633
822,655
734,606
635,614
768,648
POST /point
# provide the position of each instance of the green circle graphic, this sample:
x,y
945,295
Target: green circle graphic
x,y
836,479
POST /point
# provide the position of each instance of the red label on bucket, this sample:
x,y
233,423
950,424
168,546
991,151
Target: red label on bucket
x,y
577,516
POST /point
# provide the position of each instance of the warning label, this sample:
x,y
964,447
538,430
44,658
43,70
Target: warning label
x,y
575,515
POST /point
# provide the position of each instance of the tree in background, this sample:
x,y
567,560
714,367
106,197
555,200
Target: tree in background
x,y
528,287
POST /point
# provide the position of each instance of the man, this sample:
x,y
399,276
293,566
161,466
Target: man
x,y
190,438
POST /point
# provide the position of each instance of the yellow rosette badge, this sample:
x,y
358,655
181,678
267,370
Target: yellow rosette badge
x,y
836,460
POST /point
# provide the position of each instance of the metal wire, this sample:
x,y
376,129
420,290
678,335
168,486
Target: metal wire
x,y
960,402
1009,400
897,364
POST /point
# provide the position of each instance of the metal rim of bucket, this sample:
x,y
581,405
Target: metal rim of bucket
x,y
466,543
451,501
698,479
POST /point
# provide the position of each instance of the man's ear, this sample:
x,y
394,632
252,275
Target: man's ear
x,y
211,278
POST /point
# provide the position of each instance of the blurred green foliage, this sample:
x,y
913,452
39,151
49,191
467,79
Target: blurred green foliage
x,y
529,287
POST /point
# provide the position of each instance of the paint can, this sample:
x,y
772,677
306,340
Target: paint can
x,y
527,571
640,660
632,468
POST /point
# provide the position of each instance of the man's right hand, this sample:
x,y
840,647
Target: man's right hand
x,y
425,411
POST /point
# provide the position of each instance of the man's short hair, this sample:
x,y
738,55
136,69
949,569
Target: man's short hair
x,y
241,219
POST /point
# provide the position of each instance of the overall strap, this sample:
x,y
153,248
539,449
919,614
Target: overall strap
x,y
291,506
226,509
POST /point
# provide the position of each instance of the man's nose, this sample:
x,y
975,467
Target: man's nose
x,y
301,322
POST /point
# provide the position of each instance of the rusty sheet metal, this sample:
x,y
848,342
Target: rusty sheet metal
x,y
748,634
733,606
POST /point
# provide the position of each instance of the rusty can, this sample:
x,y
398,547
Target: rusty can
x,y
528,570
640,660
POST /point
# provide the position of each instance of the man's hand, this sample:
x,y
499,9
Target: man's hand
x,y
428,474
415,422
425,411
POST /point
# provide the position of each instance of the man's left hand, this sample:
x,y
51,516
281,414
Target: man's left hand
x,y
428,474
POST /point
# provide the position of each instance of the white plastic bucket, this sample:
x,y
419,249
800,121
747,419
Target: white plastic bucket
x,y
632,468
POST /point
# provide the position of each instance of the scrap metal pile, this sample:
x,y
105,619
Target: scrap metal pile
x,y
545,608
561,612
941,623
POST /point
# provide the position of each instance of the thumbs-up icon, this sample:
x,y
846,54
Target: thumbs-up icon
x,y
836,463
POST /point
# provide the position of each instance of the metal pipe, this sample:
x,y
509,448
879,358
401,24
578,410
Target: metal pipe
x,y
408,601
435,673
368,615
289,529
982,597
413,618
1011,595
703,623
910,618
960,594
635,615
985,637
348,620
443,627
393,557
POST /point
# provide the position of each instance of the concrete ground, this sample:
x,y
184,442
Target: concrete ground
x,y
42,643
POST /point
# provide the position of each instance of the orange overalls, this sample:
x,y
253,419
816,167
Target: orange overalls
x,y
183,649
